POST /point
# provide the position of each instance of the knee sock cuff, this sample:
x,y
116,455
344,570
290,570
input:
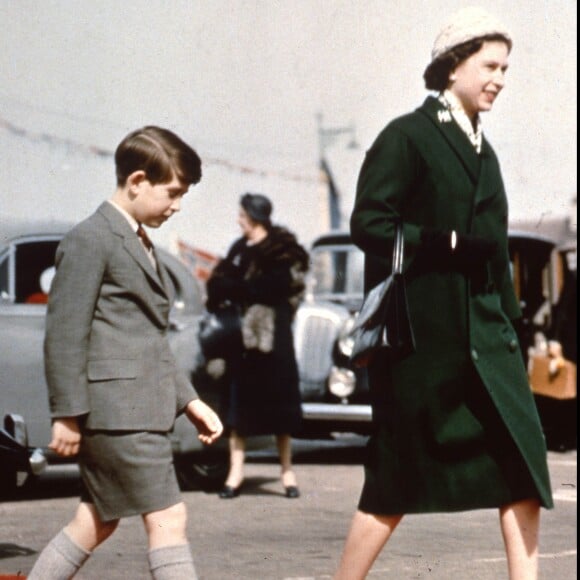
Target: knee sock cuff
x,y
69,549
169,556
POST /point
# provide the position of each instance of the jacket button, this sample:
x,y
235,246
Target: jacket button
x,y
513,345
474,354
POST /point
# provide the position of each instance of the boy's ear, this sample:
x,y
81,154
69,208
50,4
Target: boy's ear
x,y
135,180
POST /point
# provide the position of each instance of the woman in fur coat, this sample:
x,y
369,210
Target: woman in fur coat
x,y
263,273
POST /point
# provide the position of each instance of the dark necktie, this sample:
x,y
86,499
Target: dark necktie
x,y
144,237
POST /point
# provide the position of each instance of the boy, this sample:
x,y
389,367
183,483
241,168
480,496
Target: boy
x,y
114,386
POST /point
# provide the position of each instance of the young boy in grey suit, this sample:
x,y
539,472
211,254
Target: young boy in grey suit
x,y
114,385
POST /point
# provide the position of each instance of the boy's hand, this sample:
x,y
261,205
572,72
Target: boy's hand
x,y
206,421
66,436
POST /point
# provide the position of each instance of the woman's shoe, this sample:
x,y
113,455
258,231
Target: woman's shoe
x,y
229,492
292,492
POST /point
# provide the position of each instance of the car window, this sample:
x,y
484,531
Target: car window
x,y
4,279
33,260
337,271
26,270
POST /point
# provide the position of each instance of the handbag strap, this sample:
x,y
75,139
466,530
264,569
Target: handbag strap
x,y
398,248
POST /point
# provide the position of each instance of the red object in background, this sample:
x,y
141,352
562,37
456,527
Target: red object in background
x,y
199,262
36,298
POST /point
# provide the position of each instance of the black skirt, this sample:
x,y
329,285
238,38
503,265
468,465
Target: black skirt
x,y
263,396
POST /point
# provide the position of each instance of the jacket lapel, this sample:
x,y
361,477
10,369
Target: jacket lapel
x,y
457,139
131,242
164,276
485,188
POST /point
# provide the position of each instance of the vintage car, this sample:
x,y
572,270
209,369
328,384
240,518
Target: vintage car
x,y
335,394
26,262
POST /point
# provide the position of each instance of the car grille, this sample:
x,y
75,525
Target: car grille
x,y
315,333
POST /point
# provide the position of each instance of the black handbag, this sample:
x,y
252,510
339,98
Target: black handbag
x,y
383,322
220,332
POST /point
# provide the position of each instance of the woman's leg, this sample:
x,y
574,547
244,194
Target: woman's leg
x,y
366,538
237,446
284,444
520,525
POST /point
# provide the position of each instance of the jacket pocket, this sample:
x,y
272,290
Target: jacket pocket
x,y
112,369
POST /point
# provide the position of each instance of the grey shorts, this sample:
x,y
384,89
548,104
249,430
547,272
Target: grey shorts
x,y
127,473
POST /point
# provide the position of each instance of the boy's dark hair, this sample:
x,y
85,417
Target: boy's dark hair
x,y
436,75
160,154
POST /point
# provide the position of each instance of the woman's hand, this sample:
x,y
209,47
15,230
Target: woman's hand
x,y
206,421
454,251
66,436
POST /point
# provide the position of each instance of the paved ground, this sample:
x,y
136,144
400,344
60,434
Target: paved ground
x,y
263,536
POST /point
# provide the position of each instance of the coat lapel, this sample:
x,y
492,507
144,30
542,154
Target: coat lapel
x,y
132,244
487,186
457,139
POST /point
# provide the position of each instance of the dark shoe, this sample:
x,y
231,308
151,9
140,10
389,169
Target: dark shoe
x,y
229,492
292,492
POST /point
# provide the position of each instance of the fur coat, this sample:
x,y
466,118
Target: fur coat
x,y
267,281
280,256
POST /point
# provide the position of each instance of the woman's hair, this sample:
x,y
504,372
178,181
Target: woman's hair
x,y
258,207
160,154
436,75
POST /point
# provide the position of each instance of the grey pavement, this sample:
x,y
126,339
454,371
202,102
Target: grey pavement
x,y
261,535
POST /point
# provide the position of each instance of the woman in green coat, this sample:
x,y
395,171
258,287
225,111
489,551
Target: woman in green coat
x,y
456,425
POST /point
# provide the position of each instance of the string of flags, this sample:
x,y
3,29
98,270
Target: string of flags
x,y
102,152
199,262
53,139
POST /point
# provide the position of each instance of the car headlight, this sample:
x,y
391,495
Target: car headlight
x,y
341,382
345,341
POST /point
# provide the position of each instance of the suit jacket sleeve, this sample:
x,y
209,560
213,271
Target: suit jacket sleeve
x,y
80,263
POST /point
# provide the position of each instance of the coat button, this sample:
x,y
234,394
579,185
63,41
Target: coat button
x,y
474,354
513,345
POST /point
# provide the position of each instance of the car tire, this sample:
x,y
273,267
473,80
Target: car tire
x,y
195,474
8,483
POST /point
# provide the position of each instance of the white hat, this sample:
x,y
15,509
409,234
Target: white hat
x,y
467,24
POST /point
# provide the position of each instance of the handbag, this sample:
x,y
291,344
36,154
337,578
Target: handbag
x,y
220,332
383,322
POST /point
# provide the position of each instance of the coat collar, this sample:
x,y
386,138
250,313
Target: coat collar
x,y
121,227
442,118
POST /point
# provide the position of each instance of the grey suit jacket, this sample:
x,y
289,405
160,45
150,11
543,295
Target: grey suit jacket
x,y
107,355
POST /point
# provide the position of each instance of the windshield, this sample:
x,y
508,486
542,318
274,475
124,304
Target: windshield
x,y
337,272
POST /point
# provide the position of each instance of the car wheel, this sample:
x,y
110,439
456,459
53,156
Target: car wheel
x,y
194,474
8,483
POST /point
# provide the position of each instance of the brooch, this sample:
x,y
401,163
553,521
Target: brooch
x,y
444,116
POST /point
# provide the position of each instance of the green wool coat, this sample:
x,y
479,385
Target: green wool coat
x,y
457,427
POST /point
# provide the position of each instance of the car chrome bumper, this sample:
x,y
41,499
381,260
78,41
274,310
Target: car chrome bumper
x,y
14,450
336,412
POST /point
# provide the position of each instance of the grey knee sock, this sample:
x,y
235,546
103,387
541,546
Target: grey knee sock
x,y
172,563
60,559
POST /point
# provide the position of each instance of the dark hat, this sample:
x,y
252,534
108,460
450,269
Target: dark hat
x,y
258,207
